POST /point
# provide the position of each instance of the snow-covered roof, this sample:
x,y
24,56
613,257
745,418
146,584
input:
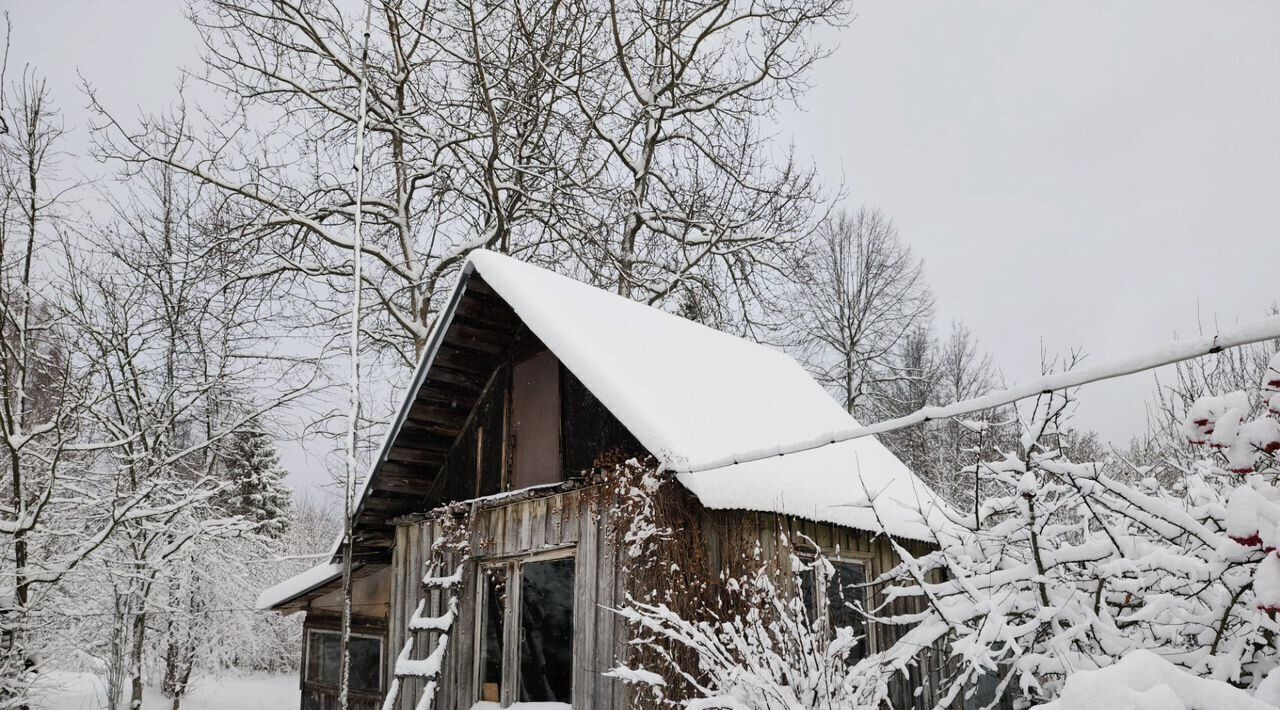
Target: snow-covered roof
x,y
696,398
693,395
838,483
298,585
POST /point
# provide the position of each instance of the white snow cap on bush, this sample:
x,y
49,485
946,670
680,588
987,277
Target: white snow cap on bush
x,y
1253,513
1269,689
1220,423
1266,583
1208,413
1144,681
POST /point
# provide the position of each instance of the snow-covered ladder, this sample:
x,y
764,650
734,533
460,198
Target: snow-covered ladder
x,y
427,668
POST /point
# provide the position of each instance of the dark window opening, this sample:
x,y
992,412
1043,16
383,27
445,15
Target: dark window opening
x,y
535,421
533,661
983,692
490,425
494,602
808,593
590,429
841,603
546,631
324,660
845,600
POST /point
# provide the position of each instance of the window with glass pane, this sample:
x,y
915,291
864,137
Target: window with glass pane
x,y
324,653
808,594
493,604
845,600
366,663
839,607
324,660
536,598
546,631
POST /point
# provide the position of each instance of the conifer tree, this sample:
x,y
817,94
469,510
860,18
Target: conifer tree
x,y
257,491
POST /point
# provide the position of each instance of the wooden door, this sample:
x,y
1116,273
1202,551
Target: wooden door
x,y
535,421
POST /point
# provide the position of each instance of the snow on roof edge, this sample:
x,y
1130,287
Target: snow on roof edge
x,y
890,498
785,361
297,585
796,485
607,332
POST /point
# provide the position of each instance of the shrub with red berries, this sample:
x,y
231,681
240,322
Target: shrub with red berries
x,y
1245,440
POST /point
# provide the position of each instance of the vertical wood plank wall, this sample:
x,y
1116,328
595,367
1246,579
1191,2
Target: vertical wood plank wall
x,y
731,532
577,518
503,531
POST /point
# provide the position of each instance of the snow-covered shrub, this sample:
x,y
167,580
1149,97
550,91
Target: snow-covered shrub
x,y
753,646
1071,566
737,635
1143,680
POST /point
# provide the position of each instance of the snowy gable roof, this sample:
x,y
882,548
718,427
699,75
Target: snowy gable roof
x,y
689,393
693,395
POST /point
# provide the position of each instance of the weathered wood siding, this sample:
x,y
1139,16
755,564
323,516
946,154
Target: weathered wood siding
x,y
502,530
578,519
328,700
729,532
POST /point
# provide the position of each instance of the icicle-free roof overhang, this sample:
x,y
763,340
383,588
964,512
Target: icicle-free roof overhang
x,y
298,591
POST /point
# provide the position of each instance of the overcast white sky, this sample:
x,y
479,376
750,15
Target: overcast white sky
x,y
1086,174
1077,174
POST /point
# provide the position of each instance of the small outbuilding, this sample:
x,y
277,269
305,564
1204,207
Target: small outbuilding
x,y
562,450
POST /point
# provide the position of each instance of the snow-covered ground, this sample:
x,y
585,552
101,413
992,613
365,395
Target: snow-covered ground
x,y
84,691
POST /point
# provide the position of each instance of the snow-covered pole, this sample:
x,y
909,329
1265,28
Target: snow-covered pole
x,y
1168,354
353,415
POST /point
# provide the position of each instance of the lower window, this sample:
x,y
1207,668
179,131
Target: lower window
x,y
834,597
324,660
526,626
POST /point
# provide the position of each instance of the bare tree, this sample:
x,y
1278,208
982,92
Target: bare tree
x,y
45,392
676,94
861,294
934,372
181,340
916,360
621,142
964,372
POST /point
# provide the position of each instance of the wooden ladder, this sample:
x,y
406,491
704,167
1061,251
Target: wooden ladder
x,y
427,668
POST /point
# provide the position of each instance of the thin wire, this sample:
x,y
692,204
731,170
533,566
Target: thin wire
x,y
170,612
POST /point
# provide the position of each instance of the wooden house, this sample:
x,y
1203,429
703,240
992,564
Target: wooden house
x,y
532,385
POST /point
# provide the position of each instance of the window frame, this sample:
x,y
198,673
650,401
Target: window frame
x,y
510,673
307,680
808,553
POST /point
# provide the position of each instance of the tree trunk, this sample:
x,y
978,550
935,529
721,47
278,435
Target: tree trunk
x,y
138,637
177,672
